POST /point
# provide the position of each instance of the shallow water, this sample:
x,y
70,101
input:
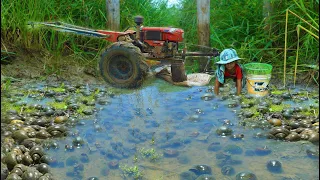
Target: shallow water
x,y
158,116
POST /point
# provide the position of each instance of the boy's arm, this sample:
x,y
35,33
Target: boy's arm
x,y
239,86
216,86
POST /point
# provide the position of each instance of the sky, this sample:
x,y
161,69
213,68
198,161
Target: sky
x,y
173,2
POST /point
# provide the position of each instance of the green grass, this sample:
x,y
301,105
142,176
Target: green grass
x,y
58,105
150,154
278,108
133,171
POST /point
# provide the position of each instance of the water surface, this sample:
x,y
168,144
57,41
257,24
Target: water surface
x,y
159,116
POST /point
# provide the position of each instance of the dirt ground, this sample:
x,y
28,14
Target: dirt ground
x,y
42,66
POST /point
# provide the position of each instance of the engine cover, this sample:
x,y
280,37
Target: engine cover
x,y
161,34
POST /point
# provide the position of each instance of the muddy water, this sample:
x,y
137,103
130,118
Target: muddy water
x,y
159,116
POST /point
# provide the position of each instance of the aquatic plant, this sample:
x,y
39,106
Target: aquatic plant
x,y
61,88
77,91
247,100
89,98
311,112
150,154
27,109
135,158
131,171
6,105
58,105
152,141
278,108
277,92
81,108
253,110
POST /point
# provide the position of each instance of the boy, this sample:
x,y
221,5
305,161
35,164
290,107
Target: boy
x,y
229,68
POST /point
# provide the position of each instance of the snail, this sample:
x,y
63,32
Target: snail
x,y
36,152
57,130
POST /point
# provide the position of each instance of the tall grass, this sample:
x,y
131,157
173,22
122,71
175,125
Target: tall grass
x,y
17,13
92,14
240,25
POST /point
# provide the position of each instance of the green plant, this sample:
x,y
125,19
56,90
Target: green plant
x,y
150,154
131,171
6,85
6,55
298,27
135,158
278,92
58,89
245,100
6,105
58,105
252,110
89,98
278,108
152,140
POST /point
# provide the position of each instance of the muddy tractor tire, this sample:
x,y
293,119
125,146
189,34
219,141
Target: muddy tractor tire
x,y
122,65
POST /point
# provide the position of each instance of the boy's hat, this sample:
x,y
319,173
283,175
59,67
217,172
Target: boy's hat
x,y
228,56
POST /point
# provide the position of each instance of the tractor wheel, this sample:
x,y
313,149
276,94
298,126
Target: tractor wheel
x,y
122,65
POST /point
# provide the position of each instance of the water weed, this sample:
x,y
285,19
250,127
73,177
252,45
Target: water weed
x,y
150,154
133,171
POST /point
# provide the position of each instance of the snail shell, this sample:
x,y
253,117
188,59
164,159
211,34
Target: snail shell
x,y
20,135
36,152
11,160
31,174
31,142
27,159
42,134
57,130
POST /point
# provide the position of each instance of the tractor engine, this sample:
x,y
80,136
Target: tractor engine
x,y
161,42
158,42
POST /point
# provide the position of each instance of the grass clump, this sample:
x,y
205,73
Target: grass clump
x,y
89,98
61,88
133,172
58,105
29,109
252,110
58,89
82,109
150,154
6,86
248,101
312,112
277,92
278,108
6,106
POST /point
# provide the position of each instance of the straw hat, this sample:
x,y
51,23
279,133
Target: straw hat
x,y
228,56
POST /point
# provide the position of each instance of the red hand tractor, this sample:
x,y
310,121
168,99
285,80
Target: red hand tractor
x,y
123,64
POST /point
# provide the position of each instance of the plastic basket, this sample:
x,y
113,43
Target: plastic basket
x,y
258,68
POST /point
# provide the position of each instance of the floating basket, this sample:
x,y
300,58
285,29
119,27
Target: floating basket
x,y
258,78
